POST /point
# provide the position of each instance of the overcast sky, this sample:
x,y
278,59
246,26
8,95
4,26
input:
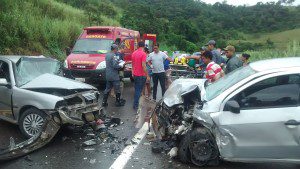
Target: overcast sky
x,y
246,2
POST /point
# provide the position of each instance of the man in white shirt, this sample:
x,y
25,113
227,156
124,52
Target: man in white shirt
x,y
156,60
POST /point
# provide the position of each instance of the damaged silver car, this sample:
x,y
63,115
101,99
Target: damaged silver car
x,y
32,88
250,115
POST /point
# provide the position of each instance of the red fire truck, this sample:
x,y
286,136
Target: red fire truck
x,y
86,61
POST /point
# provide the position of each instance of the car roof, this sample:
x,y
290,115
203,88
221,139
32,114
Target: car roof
x,y
277,63
16,58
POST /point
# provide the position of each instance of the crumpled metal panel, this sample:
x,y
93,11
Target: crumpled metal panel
x,y
178,88
53,81
50,128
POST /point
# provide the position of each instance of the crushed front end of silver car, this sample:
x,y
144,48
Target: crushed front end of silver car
x,y
174,120
80,108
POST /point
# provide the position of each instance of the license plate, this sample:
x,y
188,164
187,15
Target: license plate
x,y
80,79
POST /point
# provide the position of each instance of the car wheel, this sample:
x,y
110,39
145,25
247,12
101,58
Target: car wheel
x,y
31,122
183,151
198,146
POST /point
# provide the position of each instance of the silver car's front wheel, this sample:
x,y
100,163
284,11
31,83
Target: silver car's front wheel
x,y
31,122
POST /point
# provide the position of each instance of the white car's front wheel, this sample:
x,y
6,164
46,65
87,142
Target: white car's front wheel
x,y
31,122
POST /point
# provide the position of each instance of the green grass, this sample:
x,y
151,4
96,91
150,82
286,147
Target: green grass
x,y
41,27
280,39
292,50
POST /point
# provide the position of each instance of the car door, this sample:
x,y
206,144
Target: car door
x,y
267,125
5,92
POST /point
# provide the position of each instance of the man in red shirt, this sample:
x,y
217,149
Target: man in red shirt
x,y
213,70
139,72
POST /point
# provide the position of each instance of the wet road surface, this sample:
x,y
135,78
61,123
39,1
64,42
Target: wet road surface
x,y
66,150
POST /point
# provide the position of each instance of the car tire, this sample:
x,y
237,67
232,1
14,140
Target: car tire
x,y
183,151
31,121
199,138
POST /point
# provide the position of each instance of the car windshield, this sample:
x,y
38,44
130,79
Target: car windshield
x,y
92,46
215,89
28,69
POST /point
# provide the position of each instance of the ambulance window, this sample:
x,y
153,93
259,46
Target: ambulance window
x,y
149,44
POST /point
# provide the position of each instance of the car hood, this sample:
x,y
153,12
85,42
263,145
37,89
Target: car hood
x,y
180,87
55,82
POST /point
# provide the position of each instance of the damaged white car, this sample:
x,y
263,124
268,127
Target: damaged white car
x,y
250,115
31,88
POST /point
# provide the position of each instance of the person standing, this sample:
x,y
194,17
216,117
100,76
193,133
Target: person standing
x,y
245,59
148,82
213,70
156,59
211,46
139,72
112,77
233,62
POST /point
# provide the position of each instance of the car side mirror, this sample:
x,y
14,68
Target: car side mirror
x,y
233,106
3,82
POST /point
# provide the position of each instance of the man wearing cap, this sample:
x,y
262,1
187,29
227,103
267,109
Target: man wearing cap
x,y
233,62
211,46
112,76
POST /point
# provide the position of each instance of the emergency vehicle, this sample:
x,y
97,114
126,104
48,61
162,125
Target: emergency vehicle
x,y
86,60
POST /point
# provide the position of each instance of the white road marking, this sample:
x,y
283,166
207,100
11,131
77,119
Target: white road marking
x,y
126,154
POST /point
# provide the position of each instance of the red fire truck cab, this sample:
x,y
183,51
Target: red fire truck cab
x,y
86,61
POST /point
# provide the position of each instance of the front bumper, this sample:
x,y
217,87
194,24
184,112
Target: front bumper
x,y
79,115
89,76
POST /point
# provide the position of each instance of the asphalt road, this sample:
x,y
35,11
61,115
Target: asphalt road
x,y
66,150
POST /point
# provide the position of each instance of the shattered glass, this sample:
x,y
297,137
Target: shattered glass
x,y
30,68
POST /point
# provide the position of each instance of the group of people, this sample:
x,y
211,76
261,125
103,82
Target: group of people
x,y
216,65
146,66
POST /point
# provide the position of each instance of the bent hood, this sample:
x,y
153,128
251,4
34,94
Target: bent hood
x,y
179,87
55,82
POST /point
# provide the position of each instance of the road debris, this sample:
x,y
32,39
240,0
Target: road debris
x,y
49,130
89,149
173,152
90,142
92,161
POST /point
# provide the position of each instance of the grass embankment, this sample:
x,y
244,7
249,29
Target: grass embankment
x,y
40,27
292,50
280,39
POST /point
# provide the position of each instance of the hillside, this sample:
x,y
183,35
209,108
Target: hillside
x,y
280,39
35,27
187,24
